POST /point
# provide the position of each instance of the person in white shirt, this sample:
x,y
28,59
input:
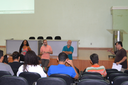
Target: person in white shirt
x,y
31,64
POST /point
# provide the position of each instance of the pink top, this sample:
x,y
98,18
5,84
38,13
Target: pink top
x,y
45,49
24,51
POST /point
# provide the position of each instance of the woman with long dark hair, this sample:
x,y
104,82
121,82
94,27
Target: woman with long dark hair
x,y
31,64
24,47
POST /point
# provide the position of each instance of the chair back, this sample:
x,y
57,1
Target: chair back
x,y
89,76
49,38
31,77
51,81
119,80
2,73
12,80
57,38
92,82
66,77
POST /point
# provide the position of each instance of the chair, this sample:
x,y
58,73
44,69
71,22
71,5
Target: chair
x,y
92,82
66,77
2,73
12,80
90,76
32,37
57,38
31,77
51,81
92,73
125,83
114,75
126,71
111,70
40,37
119,80
49,38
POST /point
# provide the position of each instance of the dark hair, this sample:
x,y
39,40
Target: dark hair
x,y
30,59
15,55
94,58
1,53
62,56
120,43
21,46
5,60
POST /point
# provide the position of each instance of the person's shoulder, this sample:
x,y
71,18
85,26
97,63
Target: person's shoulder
x,y
123,49
65,46
48,46
102,67
21,66
89,68
53,66
71,47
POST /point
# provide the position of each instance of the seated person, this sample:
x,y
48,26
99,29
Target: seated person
x,y
31,64
15,64
95,67
5,59
61,68
4,67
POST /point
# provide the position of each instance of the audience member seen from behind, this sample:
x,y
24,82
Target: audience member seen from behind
x,y
61,68
95,67
31,64
5,60
4,67
15,64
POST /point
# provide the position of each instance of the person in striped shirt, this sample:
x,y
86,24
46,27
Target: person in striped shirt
x,y
95,66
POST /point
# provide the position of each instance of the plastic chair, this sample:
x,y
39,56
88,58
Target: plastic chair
x,y
12,80
2,73
51,81
31,77
66,77
92,82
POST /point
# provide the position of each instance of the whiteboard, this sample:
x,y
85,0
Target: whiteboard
x,y
14,45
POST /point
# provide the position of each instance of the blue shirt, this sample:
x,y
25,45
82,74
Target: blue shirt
x,y
65,48
61,69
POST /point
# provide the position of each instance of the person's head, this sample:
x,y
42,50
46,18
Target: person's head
x,y
62,57
94,58
119,45
1,56
16,56
69,42
45,42
30,59
5,60
24,43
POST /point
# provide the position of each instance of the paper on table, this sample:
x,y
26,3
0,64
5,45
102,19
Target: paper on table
x,y
118,67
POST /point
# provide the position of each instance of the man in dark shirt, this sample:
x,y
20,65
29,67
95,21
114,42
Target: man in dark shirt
x,y
15,64
121,56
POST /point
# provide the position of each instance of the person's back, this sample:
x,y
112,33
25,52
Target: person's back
x,y
95,67
15,64
61,68
31,64
4,67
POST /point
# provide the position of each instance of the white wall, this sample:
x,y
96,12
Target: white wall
x,y
84,20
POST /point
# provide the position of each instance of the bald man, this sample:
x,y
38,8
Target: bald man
x,y
68,49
